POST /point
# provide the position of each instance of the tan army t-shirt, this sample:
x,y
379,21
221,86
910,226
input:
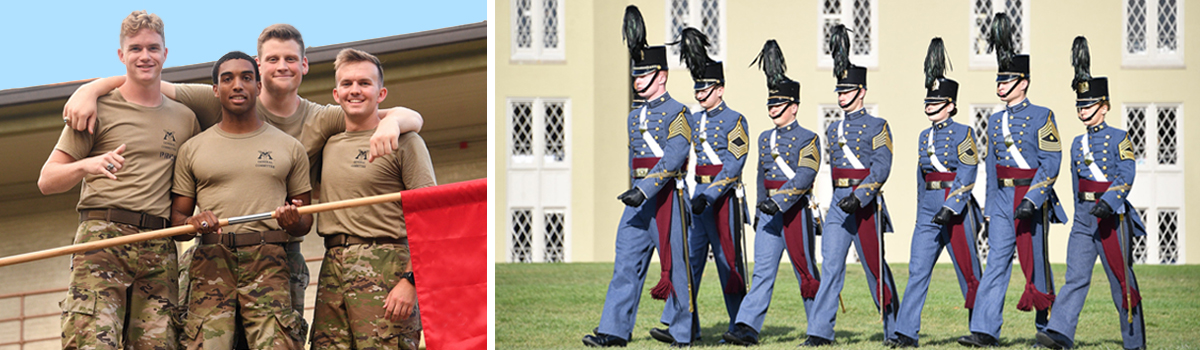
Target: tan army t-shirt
x,y
312,123
152,136
348,175
242,174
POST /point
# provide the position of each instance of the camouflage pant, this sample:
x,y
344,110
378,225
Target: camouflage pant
x,y
132,283
351,289
250,283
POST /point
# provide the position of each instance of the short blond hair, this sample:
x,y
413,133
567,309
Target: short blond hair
x,y
283,32
347,56
139,20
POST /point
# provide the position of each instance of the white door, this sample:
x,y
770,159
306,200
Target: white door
x,y
539,177
1154,131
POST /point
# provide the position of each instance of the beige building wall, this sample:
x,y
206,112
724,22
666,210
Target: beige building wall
x,y
594,77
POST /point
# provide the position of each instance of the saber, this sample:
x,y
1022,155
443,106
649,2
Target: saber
x,y
186,229
686,222
1121,241
879,238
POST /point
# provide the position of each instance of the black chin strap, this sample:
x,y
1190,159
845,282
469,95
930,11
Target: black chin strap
x,y
710,92
939,110
639,92
847,105
1010,90
782,111
1090,117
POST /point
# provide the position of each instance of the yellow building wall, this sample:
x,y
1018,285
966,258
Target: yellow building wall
x,y
594,77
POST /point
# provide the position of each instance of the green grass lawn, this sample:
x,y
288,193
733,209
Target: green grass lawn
x,y
552,306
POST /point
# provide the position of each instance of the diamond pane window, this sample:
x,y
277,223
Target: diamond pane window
x,y
1168,233
520,239
982,13
1135,122
860,18
537,27
554,132
980,116
1139,242
710,19
522,130
555,222
981,242
1166,136
1153,33
829,115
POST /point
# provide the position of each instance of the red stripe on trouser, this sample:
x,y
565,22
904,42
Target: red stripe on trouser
x,y
793,238
666,203
1111,242
736,284
870,246
1031,298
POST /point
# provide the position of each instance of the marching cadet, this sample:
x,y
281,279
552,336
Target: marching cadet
x,y
718,210
947,214
1102,171
788,158
1021,202
659,135
860,151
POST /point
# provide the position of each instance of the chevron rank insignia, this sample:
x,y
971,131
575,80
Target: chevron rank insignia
x,y
738,144
680,127
967,153
1048,136
810,156
882,139
1126,149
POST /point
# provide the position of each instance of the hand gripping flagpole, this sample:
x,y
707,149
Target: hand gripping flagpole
x,y
187,229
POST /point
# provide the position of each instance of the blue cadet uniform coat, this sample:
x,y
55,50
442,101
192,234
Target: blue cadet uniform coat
x,y
1109,238
1034,136
870,139
954,148
720,226
792,228
658,223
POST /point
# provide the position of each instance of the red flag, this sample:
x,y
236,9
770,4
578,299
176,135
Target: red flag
x,y
447,235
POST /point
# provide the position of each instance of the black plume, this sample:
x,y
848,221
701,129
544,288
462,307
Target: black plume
x,y
770,60
936,62
1001,40
693,51
1082,60
634,31
839,48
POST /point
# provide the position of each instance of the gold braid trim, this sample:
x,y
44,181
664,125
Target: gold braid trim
x,y
664,174
1118,188
870,186
961,190
724,181
967,153
794,191
1046,183
680,127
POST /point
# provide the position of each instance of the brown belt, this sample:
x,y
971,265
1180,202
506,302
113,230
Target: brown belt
x,y
234,240
342,240
121,216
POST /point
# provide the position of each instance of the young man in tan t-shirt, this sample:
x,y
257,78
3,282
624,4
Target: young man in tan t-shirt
x,y
241,166
125,166
366,293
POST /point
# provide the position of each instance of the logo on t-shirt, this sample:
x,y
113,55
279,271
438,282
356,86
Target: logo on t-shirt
x,y
169,145
265,160
360,161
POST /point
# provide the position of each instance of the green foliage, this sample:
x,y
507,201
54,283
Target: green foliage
x,y
552,306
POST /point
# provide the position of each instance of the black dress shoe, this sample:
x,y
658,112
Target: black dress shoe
x,y
1053,340
680,345
662,335
741,335
815,341
901,341
978,340
602,340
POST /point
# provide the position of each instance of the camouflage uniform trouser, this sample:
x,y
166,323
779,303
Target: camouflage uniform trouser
x,y
248,282
354,282
299,278
132,283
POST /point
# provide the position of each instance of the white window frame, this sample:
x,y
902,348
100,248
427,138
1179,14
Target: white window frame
x,y
983,60
871,60
695,19
1150,165
536,167
1153,57
538,52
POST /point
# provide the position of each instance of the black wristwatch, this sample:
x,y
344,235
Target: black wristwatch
x,y
409,276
